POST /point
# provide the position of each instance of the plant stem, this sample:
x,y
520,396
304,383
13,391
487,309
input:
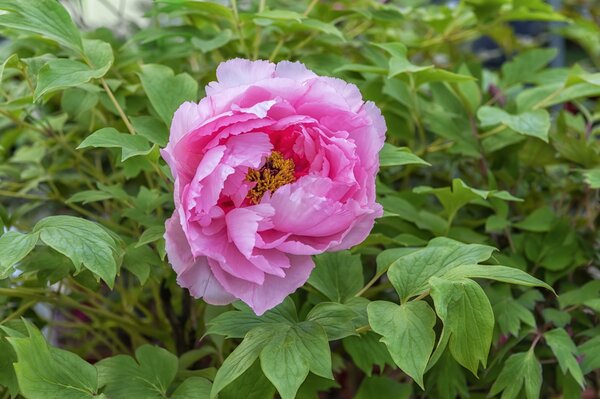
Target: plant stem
x,y
117,106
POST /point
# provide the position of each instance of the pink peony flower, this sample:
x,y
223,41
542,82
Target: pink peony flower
x,y
274,165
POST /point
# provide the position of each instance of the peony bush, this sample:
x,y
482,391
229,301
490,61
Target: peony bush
x,y
274,199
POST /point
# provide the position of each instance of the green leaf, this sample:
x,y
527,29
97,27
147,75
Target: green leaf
x,y
591,355
237,323
218,41
592,178
397,156
565,351
62,73
338,275
496,272
192,388
241,358
327,28
530,123
291,352
335,318
81,241
149,376
382,387
252,383
47,373
283,15
14,246
581,295
539,221
410,273
407,331
366,351
467,315
509,313
47,18
166,90
151,128
109,137
151,234
8,378
525,66
453,199
520,370
88,196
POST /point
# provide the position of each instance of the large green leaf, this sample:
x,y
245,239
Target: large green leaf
x,y
407,331
109,137
468,318
148,376
44,17
166,90
82,241
44,372
410,274
14,246
520,370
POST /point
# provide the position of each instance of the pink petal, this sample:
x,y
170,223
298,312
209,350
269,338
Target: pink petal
x,y
273,290
192,274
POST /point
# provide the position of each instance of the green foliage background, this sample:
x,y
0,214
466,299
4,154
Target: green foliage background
x,y
489,182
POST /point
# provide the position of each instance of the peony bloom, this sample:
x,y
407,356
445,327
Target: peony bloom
x,y
274,165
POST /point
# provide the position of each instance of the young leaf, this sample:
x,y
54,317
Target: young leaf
x,y
520,370
338,275
109,137
166,90
565,351
14,246
407,331
83,242
149,376
46,373
467,315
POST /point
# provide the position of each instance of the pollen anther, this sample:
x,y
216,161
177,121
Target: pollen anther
x,y
276,172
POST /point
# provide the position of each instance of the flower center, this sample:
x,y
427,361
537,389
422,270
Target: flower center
x,y
276,172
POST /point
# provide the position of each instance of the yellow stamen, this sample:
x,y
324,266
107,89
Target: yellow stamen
x,y
276,172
